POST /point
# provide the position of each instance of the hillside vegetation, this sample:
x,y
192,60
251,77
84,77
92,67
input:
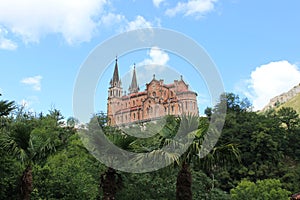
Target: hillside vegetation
x,y
293,103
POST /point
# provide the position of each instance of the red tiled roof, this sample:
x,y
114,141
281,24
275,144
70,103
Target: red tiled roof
x,y
169,85
134,94
128,109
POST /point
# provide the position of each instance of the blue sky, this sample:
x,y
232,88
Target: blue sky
x,y
254,44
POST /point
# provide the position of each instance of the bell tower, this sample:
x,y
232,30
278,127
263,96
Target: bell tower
x,y
114,95
133,88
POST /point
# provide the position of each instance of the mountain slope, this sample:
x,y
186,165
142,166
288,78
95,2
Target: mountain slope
x,y
294,103
290,98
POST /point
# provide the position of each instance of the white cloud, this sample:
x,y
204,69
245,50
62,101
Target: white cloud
x,y
270,80
31,19
34,82
158,59
157,2
156,64
112,19
139,22
5,43
192,7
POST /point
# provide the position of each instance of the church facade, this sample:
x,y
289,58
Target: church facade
x,y
157,100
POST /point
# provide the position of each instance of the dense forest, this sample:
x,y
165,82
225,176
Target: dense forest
x,y
257,157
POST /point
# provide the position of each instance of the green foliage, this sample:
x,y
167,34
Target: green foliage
x,y
293,103
71,173
267,189
10,171
289,118
154,185
205,188
6,107
30,140
252,146
161,185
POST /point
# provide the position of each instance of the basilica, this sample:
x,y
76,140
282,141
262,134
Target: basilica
x,y
157,100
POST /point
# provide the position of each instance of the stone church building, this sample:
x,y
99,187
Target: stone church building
x,y
157,100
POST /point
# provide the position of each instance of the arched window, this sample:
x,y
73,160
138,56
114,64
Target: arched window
x,y
149,109
154,94
133,102
133,115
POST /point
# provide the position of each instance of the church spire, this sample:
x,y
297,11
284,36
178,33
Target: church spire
x,y
133,86
115,81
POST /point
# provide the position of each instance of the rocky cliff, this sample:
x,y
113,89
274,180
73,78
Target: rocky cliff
x,y
282,98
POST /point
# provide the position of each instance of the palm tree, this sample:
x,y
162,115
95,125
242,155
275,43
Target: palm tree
x,y
72,122
28,140
111,181
96,139
184,183
195,127
6,107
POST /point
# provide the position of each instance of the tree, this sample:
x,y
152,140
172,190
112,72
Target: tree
x,y
30,140
267,189
95,140
70,173
6,107
72,121
289,117
191,126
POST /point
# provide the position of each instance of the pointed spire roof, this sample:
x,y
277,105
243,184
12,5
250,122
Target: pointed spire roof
x,y
134,86
115,81
116,72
